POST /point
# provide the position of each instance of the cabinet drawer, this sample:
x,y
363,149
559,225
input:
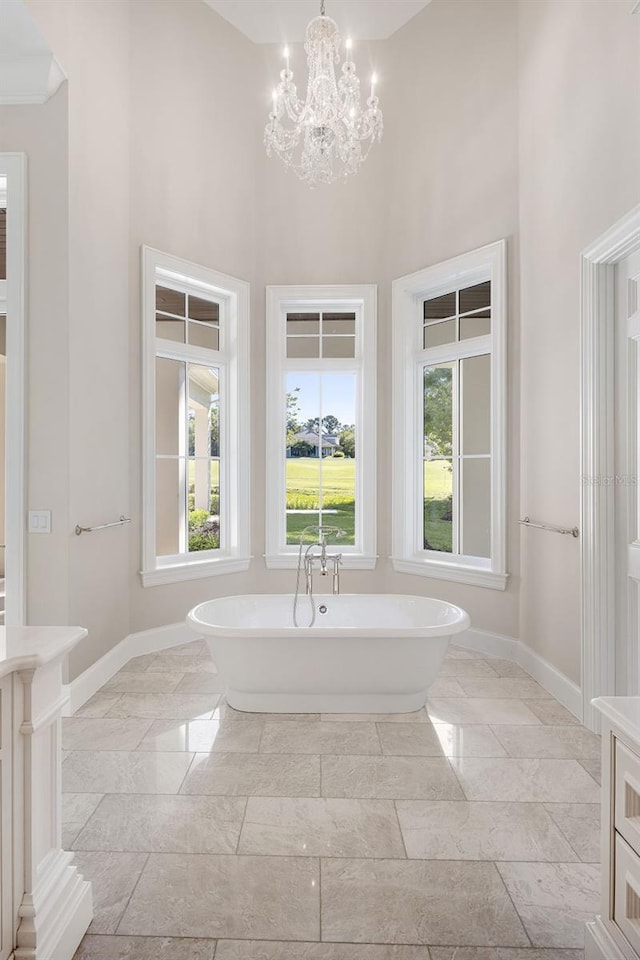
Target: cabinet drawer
x,y
627,795
626,901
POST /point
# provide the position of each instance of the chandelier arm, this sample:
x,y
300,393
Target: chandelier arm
x,y
329,133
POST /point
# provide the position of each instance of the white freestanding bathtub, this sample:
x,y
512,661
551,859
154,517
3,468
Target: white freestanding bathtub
x,y
366,653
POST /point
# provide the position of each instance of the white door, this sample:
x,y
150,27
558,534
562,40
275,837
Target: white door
x,y
627,478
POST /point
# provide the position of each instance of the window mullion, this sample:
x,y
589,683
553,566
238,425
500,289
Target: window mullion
x,y
183,462
456,464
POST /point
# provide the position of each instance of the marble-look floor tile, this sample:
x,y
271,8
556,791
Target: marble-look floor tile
x,y
415,716
320,737
480,710
535,781
142,682
98,705
90,771
446,687
89,733
144,948
440,739
173,706
565,742
468,740
392,778
201,683
285,826
194,648
504,688
222,896
551,712
503,953
507,668
76,810
466,668
164,824
225,712
593,768
140,664
404,901
480,831
166,663
409,740
455,652
253,775
271,950
203,736
113,877
554,900
580,823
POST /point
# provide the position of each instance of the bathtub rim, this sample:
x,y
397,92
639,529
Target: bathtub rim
x,y
459,625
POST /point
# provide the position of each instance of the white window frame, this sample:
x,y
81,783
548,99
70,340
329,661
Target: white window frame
x,y
233,361
409,360
361,299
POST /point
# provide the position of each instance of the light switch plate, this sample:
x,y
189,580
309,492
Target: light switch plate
x,y
39,521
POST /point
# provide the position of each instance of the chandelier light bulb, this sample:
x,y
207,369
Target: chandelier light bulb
x,y
329,133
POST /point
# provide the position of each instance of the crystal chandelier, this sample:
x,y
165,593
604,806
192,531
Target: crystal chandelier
x,y
329,134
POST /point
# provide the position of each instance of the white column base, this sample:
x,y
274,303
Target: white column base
x,y
598,944
55,917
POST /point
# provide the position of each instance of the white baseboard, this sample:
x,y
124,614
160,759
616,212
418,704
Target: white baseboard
x,y
554,682
598,944
159,638
135,645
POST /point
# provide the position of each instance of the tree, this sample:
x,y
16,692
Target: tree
x,y
331,424
214,428
293,414
348,441
437,410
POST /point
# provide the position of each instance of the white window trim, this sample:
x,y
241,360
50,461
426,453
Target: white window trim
x,y
486,263
235,448
362,299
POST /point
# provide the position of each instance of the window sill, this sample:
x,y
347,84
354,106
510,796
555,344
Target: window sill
x,y
289,561
194,571
475,576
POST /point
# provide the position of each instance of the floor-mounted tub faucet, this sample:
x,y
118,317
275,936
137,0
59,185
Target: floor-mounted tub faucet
x,y
324,559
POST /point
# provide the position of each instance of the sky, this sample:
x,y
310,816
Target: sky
x,y
325,394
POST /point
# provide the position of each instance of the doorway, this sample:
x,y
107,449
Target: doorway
x,y
610,378
626,489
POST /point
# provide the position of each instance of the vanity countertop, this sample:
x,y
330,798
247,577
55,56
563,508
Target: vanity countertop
x,y
27,648
624,712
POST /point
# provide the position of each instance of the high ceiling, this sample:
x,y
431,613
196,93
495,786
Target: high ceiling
x,y
285,21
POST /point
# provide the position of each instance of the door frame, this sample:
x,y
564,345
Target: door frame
x,y
14,167
597,444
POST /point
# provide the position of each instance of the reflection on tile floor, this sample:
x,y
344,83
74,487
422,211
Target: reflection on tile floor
x,y
468,830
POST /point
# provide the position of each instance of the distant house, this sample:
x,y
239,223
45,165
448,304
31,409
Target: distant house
x,y
308,444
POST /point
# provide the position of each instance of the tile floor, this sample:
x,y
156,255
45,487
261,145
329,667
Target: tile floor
x,y
464,831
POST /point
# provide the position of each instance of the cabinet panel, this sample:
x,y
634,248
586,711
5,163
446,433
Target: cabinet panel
x,y
626,909
6,887
627,795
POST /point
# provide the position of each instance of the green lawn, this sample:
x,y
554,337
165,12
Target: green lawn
x,y
338,487
438,525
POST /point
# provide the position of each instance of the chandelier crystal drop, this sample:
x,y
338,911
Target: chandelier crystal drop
x,y
328,135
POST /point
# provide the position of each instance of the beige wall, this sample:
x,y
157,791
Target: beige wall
x,y
497,113
91,41
579,171
41,132
451,173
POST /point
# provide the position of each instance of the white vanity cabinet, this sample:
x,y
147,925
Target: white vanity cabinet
x,y
615,933
6,886
45,905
